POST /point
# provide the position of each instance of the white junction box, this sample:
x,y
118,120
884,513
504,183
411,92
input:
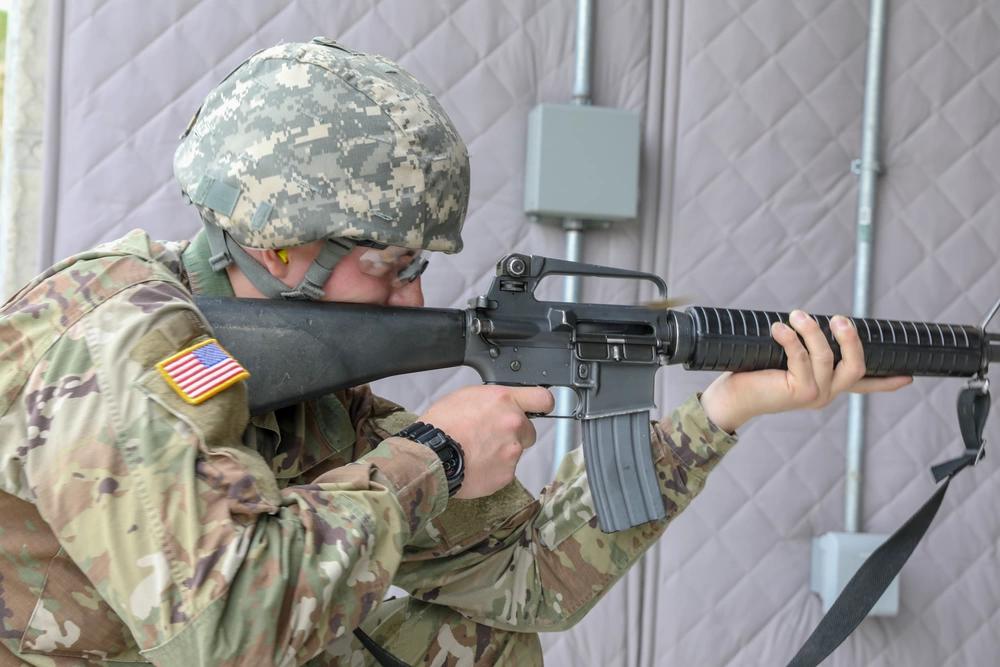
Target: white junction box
x,y
582,162
835,559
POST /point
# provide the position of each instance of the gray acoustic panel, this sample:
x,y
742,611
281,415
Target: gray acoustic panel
x,y
761,204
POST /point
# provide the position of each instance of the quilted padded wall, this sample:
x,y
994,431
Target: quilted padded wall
x,y
765,97
751,117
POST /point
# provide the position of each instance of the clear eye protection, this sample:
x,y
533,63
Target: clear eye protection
x,y
405,264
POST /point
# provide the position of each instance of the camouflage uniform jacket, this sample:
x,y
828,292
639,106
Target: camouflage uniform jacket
x,y
137,527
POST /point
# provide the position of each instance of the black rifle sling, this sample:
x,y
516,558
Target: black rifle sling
x,y
877,572
382,656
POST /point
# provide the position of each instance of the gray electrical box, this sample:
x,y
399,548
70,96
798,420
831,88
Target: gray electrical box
x,y
835,559
582,162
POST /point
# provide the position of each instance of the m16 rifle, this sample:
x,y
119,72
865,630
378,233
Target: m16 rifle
x,y
607,354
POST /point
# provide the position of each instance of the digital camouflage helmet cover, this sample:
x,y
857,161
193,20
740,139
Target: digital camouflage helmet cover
x,y
310,141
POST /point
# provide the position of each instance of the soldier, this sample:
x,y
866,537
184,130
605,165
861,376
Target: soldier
x,y
145,516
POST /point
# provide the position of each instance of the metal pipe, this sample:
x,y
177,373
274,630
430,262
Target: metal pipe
x,y
566,429
51,142
868,170
584,45
565,435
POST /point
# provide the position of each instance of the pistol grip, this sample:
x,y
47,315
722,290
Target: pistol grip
x,y
620,471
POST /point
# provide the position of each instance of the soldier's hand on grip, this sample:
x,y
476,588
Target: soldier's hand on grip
x,y
491,425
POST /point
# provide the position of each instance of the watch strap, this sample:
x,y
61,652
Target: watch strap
x,y
448,450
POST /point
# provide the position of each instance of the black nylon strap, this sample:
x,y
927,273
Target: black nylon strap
x,y
867,585
382,656
973,409
877,572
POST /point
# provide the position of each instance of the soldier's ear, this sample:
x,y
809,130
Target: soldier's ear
x,y
273,261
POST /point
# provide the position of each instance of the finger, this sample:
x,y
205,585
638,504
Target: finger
x,y
820,354
872,385
527,434
852,356
533,400
799,378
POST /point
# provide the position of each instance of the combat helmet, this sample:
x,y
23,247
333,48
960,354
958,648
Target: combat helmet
x,y
310,141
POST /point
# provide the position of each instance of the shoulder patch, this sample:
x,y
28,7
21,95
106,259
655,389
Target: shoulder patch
x,y
201,371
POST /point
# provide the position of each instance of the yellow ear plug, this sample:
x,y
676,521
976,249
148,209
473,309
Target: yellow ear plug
x,y
283,255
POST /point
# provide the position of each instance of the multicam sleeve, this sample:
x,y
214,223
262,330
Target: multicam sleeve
x,y
181,528
511,562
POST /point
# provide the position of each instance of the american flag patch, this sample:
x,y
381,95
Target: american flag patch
x,y
201,371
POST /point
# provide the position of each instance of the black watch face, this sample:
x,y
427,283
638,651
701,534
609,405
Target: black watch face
x,y
448,451
452,462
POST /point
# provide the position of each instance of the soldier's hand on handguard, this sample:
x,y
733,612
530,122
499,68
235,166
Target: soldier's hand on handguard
x,y
811,380
490,424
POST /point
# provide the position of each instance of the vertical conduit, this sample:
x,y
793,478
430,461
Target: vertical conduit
x,y
565,435
867,169
51,141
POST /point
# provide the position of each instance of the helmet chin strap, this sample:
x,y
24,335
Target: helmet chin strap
x,y
226,251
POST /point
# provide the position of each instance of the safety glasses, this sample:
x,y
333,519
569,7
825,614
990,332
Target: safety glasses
x,y
380,260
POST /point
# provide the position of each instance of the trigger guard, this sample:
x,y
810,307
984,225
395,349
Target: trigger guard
x,y
569,412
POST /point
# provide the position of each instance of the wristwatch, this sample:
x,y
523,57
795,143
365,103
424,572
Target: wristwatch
x,y
450,452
